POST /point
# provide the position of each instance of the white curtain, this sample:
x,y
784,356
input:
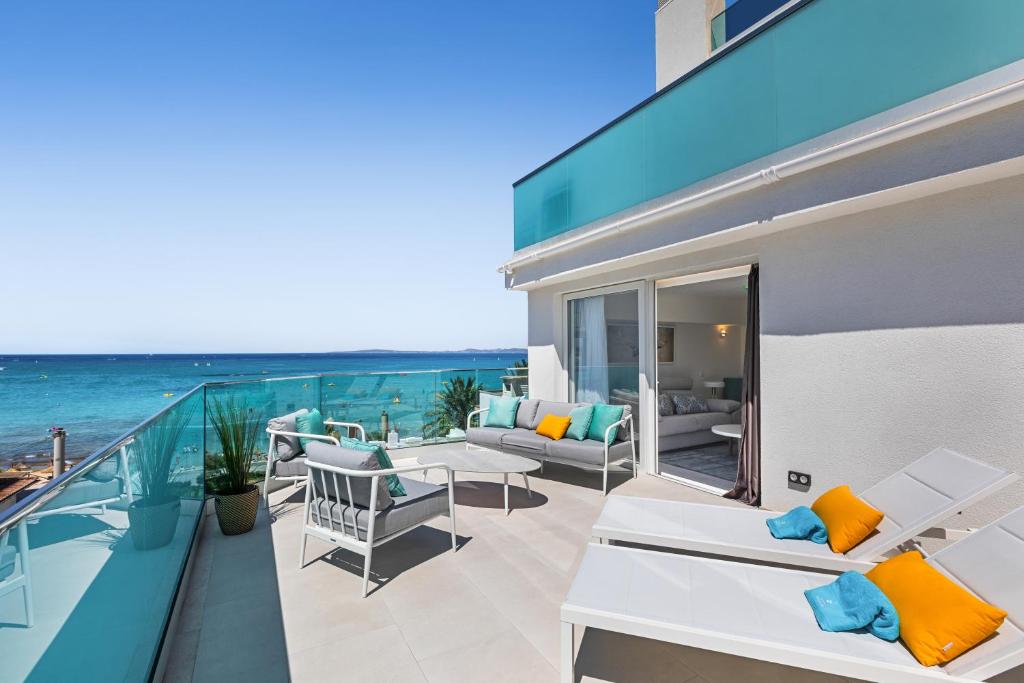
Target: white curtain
x,y
591,339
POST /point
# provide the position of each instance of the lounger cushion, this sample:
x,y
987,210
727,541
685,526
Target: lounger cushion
x,y
526,412
349,459
293,467
423,502
554,426
489,437
849,520
524,442
287,446
939,620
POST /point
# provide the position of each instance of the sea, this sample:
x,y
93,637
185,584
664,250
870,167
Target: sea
x,y
96,398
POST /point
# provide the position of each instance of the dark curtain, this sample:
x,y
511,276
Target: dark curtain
x,y
748,473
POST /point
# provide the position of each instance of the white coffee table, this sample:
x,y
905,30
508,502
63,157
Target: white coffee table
x,y
731,432
484,462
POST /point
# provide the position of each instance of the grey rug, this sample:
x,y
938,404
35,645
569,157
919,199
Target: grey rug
x,y
715,460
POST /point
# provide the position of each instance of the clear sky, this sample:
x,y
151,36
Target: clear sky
x,y
197,176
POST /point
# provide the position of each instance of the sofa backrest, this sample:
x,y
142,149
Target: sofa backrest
x,y
287,446
545,408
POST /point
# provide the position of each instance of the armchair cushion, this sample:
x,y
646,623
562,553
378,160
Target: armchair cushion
x,y
488,437
349,459
293,467
287,446
422,503
311,422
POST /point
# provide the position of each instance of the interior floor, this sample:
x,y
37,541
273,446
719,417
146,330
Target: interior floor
x,y
711,464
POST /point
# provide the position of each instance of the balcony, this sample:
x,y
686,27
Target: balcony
x,y
812,70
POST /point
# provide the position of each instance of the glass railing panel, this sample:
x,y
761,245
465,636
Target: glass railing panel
x,y
90,570
382,402
718,30
825,65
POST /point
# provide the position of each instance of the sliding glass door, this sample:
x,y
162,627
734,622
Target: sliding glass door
x,y
604,347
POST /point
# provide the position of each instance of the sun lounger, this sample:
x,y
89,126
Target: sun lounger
x,y
914,499
760,612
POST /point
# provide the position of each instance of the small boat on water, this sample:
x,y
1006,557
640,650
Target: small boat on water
x,y
168,394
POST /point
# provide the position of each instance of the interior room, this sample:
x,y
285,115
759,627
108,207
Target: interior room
x,y
700,344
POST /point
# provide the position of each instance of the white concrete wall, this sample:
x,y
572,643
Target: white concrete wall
x,y
682,37
884,335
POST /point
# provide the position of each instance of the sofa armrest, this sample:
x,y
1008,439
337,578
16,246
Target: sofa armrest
x,y
469,418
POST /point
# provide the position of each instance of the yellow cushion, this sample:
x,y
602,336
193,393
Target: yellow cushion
x,y
554,426
847,518
939,620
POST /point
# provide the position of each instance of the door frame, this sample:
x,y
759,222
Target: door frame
x,y
667,283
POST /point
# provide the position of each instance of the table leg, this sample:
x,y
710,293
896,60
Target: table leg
x,y
526,478
506,493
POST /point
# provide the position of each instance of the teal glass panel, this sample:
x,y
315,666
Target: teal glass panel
x,y
396,401
718,31
826,65
93,570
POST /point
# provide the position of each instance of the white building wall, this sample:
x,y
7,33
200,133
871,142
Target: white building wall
x,y
682,37
884,335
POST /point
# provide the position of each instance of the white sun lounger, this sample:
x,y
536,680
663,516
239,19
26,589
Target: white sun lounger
x,y
914,499
760,612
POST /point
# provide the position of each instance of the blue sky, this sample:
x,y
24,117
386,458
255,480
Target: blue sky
x,y
286,176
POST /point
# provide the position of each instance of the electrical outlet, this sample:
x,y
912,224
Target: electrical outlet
x,y
799,481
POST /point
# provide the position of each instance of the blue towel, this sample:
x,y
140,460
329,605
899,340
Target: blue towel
x,y
852,602
800,522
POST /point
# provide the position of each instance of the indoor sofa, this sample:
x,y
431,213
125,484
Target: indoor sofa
x,y
522,439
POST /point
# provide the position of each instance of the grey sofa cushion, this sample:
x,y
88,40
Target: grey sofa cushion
x,y
524,441
423,502
489,437
287,446
349,459
665,405
295,467
588,452
545,408
526,413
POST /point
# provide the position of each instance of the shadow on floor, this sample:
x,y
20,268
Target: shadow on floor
x,y
574,476
491,495
390,560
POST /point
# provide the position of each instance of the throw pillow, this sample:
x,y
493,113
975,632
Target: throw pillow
x,y
604,416
554,426
395,487
287,446
849,519
665,405
502,412
939,620
310,423
580,425
687,404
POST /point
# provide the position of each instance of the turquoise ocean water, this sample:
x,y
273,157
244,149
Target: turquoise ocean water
x,y
97,398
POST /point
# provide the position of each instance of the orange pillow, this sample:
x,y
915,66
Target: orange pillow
x,y
554,426
847,518
939,620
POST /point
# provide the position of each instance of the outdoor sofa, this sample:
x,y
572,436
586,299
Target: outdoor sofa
x,y
522,439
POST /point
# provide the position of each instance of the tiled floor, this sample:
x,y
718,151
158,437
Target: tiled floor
x,y
488,612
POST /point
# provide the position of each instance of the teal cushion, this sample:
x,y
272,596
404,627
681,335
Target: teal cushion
x,y
395,487
580,425
604,416
502,412
310,423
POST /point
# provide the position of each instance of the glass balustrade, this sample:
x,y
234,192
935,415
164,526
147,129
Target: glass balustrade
x,y
91,563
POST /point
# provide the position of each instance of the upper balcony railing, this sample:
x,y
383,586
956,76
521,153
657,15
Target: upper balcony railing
x,y
814,68
91,563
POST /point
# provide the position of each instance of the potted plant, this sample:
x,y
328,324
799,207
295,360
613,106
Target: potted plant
x,y
153,514
236,499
